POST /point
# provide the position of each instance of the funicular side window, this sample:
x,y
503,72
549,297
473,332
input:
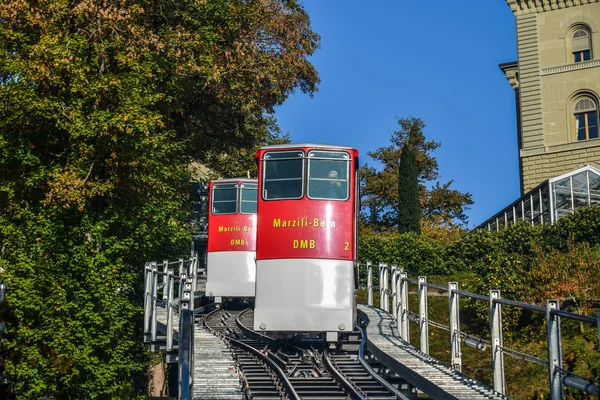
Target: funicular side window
x,y
224,198
282,175
248,198
328,175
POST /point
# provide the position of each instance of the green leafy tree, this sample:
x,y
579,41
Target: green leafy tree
x,y
441,205
409,208
103,105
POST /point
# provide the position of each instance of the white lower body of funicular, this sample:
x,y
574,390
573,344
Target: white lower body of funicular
x,y
304,295
231,274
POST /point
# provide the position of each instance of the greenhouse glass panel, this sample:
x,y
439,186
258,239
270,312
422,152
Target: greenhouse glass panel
x,y
536,212
562,198
545,205
519,210
580,190
594,189
501,221
527,208
510,216
552,199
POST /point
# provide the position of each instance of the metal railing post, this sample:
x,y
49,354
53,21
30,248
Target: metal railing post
x,y
386,293
398,284
554,351
455,350
394,291
381,285
164,279
369,284
147,301
423,315
181,273
184,295
154,300
170,327
496,332
195,274
403,328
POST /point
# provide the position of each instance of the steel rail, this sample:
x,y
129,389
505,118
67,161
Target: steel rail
x,y
371,371
351,389
253,333
283,380
274,367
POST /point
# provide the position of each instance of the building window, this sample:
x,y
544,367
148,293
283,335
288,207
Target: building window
x,y
581,45
586,118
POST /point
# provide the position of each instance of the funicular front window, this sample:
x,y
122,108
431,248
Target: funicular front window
x,y
248,198
328,175
282,176
224,200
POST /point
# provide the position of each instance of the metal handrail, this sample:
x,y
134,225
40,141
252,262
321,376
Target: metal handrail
x,y
413,281
518,304
186,354
436,286
472,295
573,316
160,293
557,376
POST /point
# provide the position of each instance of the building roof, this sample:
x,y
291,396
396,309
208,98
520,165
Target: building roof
x,y
551,199
520,7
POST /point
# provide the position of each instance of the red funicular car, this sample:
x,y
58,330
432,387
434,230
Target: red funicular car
x,y
231,238
306,254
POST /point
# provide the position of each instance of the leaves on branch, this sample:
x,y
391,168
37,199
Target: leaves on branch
x,y
103,106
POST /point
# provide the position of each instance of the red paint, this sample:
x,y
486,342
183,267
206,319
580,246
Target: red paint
x,y
230,232
307,228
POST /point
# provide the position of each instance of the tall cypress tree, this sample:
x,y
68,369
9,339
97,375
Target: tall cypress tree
x,y
409,208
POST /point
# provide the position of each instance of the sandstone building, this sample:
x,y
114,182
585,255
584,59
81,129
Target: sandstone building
x,y
557,89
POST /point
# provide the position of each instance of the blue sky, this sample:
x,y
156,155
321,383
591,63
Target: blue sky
x,y
436,60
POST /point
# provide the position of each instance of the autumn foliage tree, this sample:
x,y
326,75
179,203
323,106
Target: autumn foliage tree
x,y
103,105
441,205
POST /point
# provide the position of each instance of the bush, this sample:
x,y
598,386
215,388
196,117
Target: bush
x,y
416,255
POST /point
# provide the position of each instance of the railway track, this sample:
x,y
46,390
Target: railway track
x,y
300,368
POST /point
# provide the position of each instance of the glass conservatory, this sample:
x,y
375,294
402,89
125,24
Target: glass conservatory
x,y
551,200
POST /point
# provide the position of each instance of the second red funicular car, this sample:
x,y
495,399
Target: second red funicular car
x,y
231,238
306,239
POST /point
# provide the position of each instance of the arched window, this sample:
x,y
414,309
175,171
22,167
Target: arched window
x,y
581,48
586,118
